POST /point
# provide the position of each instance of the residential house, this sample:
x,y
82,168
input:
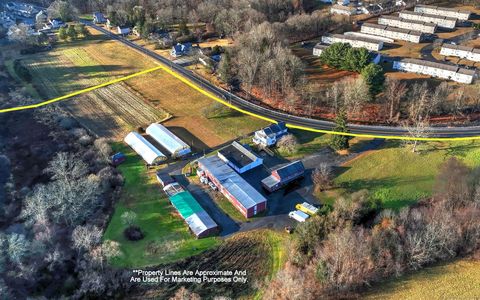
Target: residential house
x,y
99,18
270,135
55,23
41,17
181,49
123,30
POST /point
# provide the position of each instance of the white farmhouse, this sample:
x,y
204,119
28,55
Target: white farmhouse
x,y
464,52
441,21
443,11
392,32
354,41
425,27
435,69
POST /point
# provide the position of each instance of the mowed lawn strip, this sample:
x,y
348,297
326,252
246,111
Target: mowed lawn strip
x,y
166,235
455,280
399,177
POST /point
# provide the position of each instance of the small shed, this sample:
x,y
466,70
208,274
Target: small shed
x,y
123,30
239,158
144,148
118,158
175,146
164,179
201,224
284,175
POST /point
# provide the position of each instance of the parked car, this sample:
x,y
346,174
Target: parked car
x,y
203,179
299,216
307,208
213,186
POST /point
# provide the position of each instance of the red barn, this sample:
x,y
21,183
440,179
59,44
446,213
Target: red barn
x,y
238,191
283,176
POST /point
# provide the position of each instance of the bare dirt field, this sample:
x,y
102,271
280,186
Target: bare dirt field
x,y
108,112
113,111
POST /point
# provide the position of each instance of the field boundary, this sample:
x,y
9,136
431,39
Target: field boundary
x,y
213,97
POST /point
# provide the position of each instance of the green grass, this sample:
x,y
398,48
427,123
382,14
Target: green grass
x,y
228,208
309,143
167,237
455,280
277,255
399,177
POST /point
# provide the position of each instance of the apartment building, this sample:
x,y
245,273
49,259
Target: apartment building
x,y
425,27
441,21
354,41
412,36
443,11
464,52
435,69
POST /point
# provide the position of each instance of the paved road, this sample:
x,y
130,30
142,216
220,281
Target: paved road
x,y
279,116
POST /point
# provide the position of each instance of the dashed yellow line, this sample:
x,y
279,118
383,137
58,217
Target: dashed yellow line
x,y
228,104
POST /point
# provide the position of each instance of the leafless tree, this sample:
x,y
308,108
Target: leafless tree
x,y
86,237
439,97
322,176
355,94
395,91
288,144
184,294
417,130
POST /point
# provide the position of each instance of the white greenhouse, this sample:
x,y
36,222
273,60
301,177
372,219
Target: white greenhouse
x,y
175,146
144,148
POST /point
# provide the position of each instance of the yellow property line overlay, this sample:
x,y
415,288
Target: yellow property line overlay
x,y
226,103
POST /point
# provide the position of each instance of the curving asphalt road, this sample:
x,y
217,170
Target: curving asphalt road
x,y
387,131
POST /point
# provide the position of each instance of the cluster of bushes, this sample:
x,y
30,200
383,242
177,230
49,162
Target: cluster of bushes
x,y
357,243
73,32
343,57
22,71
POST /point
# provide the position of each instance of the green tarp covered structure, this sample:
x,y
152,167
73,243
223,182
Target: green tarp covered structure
x,y
185,204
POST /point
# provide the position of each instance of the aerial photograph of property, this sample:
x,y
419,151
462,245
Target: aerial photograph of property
x,y
240,149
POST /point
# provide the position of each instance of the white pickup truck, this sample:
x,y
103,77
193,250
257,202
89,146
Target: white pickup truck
x,y
299,216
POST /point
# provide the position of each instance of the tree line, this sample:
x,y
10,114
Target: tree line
x,y
355,243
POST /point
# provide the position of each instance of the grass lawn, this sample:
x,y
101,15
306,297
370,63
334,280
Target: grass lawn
x,y
456,280
309,143
399,177
166,235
